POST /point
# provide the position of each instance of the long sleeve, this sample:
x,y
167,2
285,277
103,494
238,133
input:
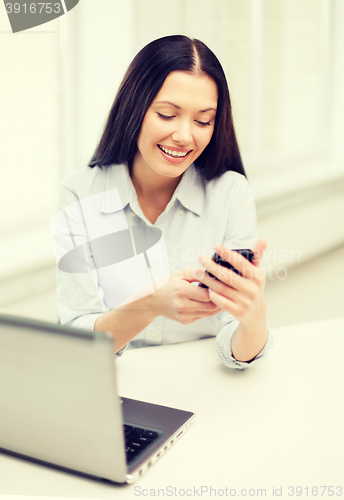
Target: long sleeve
x,y
80,299
224,346
241,232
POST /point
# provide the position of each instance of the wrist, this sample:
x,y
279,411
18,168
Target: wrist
x,y
249,340
150,305
250,328
257,320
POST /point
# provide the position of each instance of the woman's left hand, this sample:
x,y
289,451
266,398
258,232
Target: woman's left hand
x,y
242,296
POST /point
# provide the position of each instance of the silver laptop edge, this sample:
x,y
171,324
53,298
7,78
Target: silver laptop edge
x,y
59,402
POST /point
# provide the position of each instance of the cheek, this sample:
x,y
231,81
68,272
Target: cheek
x,y
159,129
147,136
154,132
205,138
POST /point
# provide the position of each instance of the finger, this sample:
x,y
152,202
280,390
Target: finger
x,y
244,291
207,309
224,304
258,251
206,314
195,308
188,274
192,292
226,279
244,266
226,276
197,293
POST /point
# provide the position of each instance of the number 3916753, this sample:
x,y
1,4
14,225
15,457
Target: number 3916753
x,y
33,8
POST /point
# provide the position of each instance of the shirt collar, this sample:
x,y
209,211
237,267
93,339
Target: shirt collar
x,y
118,178
189,192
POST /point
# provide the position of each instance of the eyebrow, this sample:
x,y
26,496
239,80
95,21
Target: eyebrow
x,y
178,107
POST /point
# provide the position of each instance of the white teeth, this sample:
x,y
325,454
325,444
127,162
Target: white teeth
x,y
173,153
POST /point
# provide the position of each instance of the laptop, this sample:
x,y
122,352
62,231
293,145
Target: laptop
x,y
59,404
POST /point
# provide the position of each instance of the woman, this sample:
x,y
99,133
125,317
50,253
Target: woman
x,y
168,159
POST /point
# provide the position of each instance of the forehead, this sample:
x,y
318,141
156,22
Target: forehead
x,y
189,90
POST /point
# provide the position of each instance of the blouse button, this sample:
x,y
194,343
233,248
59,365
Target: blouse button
x,y
154,334
133,214
181,212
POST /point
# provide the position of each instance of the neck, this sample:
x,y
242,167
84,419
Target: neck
x,y
150,185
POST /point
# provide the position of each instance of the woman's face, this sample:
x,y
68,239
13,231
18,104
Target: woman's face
x,y
178,125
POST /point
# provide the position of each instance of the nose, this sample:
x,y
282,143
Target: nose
x,y
182,133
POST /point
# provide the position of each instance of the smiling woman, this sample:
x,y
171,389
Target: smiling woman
x,y
176,129
145,78
169,160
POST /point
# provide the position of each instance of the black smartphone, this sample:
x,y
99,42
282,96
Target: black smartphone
x,y
247,253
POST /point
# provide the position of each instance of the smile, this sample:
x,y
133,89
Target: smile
x,y
174,153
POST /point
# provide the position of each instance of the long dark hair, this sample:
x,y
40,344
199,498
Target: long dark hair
x,y
142,82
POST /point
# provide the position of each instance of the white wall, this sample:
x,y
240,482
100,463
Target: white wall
x,y
284,64
29,135
57,83
98,43
59,87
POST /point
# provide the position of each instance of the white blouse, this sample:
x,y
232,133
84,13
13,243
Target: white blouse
x,y
109,253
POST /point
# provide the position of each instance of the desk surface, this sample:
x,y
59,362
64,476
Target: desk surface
x,y
279,423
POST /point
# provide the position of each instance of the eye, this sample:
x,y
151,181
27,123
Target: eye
x,y
203,123
165,117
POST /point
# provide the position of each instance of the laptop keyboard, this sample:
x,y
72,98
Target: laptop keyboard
x,y
137,440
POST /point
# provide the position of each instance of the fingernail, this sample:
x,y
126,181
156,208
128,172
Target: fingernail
x,y
201,258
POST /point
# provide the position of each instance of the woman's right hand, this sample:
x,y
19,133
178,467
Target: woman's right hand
x,y
181,301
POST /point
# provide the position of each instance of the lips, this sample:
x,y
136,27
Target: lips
x,y
174,152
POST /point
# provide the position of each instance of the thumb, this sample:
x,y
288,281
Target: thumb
x,y
188,274
258,251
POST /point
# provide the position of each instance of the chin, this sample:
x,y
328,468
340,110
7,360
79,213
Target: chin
x,y
173,170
